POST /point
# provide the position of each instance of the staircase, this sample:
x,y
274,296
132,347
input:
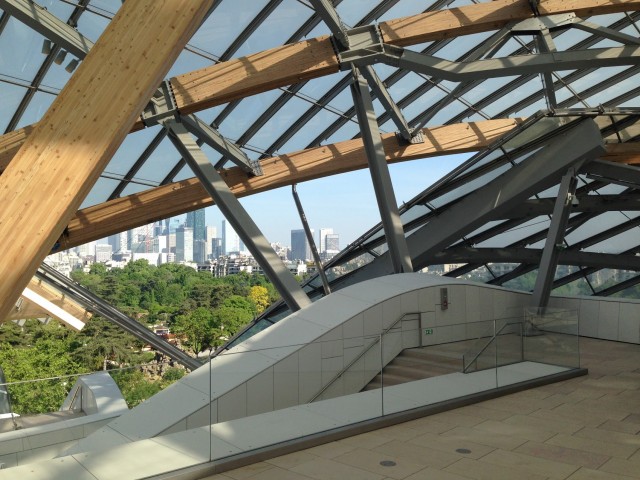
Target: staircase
x,y
417,364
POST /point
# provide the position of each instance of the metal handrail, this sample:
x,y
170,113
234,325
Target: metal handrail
x,y
361,354
465,366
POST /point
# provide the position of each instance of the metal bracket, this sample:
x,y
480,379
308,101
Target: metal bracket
x,y
161,106
416,137
366,47
535,25
534,7
212,137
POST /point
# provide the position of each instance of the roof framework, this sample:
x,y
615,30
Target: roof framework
x,y
462,76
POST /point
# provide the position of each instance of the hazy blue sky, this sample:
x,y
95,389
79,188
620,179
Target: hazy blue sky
x,y
345,202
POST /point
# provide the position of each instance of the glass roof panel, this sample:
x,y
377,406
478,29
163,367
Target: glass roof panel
x,y
577,287
277,29
92,24
278,123
158,166
11,97
101,190
247,111
133,145
38,106
594,226
516,234
226,22
305,135
21,49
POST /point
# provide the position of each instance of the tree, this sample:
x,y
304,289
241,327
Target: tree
x,y
47,357
260,297
197,327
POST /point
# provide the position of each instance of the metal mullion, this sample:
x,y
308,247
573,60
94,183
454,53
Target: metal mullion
x,y
631,282
42,71
148,151
519,271
4,19
588,42
32,90
250,29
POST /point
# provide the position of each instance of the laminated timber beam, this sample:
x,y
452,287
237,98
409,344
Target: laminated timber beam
x,y
124,213
66,152
289,64
165,201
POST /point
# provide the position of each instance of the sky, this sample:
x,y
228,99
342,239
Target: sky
x,y
343,202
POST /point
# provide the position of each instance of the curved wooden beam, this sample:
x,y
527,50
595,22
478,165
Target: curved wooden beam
x,y
64,155
289,64
124,213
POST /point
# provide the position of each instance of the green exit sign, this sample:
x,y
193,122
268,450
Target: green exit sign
x,y
428,331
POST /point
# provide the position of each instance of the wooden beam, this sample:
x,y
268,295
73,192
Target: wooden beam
x,y
483,17
283,66
289,64
66,152
124,213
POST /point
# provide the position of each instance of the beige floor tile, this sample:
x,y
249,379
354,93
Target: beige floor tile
x,y
429,424
590,409
483,412
331,450
620,426
566,415
563,454
588,474
524,432
633,418
609,436
611,449
292,459
248,471
613,382
370,461
490,439
418,454
404,431
481,470
457,419
323,469
556,426
277,473
368,440
530,464
430,473
513,405
451,445
621,467
219,476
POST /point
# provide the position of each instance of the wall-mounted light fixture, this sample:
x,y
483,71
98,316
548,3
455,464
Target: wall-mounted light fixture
x,y
47,46
71,66
60,57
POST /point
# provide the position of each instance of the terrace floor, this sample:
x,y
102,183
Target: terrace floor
x,y
585,428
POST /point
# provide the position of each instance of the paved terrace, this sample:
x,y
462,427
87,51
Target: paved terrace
x,y
585,428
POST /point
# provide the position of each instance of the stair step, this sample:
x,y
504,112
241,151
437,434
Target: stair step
x,y
416,364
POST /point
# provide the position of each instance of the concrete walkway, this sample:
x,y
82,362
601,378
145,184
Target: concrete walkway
x,y
585,428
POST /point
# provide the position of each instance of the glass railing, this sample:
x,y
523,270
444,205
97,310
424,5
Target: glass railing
x,y
268,391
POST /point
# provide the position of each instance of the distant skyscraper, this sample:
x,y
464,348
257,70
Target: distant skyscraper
x,y
230,239
118,242
184,244
212,232
195,220
322,234
300,248
332,243
200,251
103,253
